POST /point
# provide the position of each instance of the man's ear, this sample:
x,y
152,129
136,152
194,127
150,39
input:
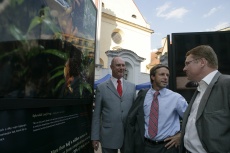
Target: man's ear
x,y
203,62
152,77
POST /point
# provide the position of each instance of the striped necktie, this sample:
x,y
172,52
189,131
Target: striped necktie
x,y
153,116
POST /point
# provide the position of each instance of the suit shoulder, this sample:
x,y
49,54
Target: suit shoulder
x,y
142,92
224,80
129,83
225,77
103,84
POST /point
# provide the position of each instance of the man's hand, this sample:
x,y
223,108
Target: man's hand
x,y
173,141
95,144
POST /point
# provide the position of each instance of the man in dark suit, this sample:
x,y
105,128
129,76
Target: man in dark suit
x,y
151,131
111,109
206,122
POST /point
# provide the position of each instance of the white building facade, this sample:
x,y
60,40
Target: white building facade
x,y
122,31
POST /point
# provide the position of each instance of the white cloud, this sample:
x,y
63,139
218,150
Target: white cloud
x,y
212,11
219,26
177,13
166,12
162,9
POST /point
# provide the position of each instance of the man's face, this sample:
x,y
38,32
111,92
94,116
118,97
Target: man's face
x,y
193,68
161,78
118,68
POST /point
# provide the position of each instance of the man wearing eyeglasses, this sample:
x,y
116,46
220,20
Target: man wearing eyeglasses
x,y
206,122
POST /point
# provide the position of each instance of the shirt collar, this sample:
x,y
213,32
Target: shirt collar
x,y
208,78
206,81
115,79
162,91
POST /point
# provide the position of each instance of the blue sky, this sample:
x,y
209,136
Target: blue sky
x,y
176,16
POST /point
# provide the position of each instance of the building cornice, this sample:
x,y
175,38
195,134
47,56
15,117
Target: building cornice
x,y
122,52
114,18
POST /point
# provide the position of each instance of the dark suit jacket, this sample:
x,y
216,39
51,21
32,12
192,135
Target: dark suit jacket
x,y
134,134
213,116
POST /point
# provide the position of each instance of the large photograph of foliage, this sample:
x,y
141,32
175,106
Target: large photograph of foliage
x,y
47,48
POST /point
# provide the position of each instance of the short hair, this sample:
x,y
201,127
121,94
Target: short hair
x,y
207,52
153,70
113,60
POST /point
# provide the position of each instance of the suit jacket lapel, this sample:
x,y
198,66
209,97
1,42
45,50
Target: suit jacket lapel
x,y
114,90
192,101
206,95
111,87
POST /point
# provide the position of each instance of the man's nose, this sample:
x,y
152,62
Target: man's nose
x,y
184,69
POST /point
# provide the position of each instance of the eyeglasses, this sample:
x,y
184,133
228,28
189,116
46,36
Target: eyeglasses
x,y
188,62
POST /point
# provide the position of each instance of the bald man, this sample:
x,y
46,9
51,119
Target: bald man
x,y
111,109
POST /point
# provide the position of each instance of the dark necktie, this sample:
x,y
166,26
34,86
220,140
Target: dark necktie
x,y
153,116
119,87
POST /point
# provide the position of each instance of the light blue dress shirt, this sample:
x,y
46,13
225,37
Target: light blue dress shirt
x,y
171,107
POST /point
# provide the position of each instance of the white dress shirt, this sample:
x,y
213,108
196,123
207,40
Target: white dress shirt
x,y
191,139
114,80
